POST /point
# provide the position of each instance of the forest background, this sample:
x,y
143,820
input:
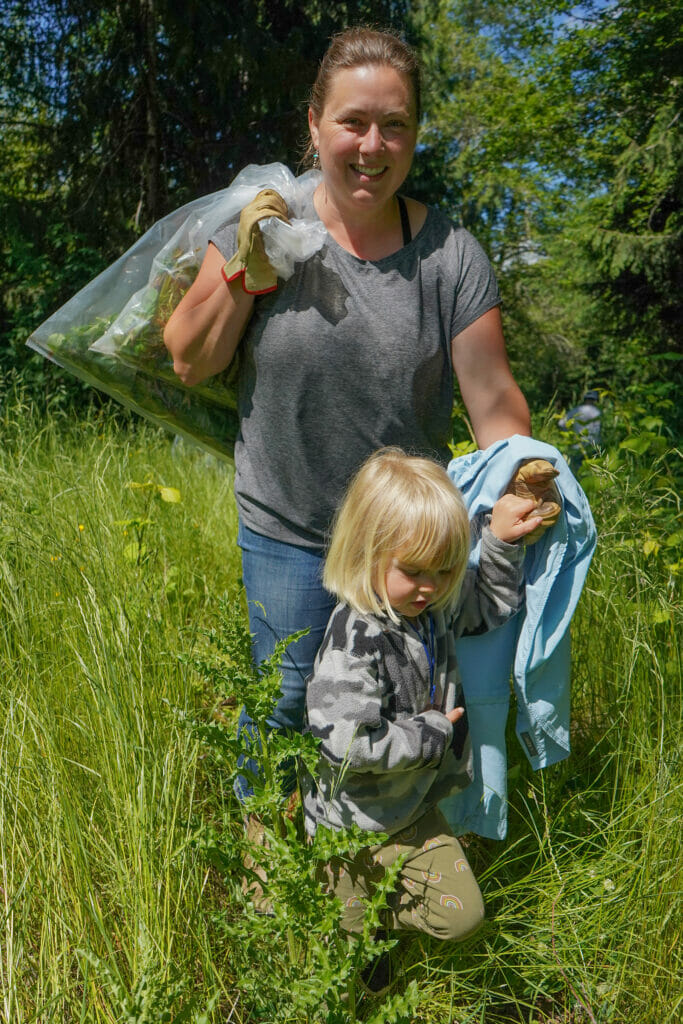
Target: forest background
x,y
552,132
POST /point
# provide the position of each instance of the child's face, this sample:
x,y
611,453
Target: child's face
x,y
411,589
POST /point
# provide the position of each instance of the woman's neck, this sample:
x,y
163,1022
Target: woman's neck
x,y
368,233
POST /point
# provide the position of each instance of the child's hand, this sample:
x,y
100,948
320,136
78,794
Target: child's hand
x,y
455,714
535,478
507,518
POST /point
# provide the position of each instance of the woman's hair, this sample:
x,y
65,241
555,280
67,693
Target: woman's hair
x,y
358,47
396,505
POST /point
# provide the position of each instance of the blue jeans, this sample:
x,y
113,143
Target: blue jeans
x,y
284,590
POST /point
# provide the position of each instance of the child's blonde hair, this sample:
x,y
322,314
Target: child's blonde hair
x,y
396,505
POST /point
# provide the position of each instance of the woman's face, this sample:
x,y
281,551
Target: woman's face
x,y
365,135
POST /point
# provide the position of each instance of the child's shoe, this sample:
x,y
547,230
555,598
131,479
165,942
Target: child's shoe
x,y
377,976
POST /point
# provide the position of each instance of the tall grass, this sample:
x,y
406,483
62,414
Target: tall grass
x,y
111,910
101,587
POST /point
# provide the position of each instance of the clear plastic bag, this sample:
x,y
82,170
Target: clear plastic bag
x,y
110,334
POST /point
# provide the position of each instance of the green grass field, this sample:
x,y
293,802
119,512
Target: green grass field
x,y
114,553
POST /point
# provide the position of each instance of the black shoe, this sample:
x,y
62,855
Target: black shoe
x,y
377,976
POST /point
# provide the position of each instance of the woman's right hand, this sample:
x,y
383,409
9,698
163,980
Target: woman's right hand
x,y
206,326
250,263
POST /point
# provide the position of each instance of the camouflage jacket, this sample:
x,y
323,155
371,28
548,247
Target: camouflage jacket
x,y
388,752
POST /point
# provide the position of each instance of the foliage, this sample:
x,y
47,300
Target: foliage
x,y
121,841
552,132
623,248
316,964
112,117
98,774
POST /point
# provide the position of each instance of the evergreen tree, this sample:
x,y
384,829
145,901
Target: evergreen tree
x,y
113,115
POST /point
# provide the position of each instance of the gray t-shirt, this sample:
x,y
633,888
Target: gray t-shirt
x,y
346,357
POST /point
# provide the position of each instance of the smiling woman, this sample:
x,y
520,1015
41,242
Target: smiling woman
x,y
355,352
365,137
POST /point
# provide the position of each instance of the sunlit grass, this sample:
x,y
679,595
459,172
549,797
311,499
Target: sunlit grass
x,y
584,899
110,910
99,776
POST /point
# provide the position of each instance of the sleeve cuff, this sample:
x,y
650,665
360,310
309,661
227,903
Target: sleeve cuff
x,y
513,553
438,736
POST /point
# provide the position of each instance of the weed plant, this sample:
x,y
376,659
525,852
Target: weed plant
x,y
122,658
315,963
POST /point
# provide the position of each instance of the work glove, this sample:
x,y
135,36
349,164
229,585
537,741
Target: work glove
x,y
250,260
535,480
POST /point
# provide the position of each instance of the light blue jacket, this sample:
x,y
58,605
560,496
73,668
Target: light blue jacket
x,y
534,644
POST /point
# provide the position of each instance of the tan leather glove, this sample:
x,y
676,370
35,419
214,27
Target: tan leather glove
x,y
250,260
535,479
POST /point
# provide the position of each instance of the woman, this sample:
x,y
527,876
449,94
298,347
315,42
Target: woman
x,y
355,352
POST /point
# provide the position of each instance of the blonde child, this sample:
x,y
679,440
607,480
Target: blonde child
x,y
385,698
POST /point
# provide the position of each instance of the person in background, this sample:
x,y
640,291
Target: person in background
x,y
385,698
584,421
356,351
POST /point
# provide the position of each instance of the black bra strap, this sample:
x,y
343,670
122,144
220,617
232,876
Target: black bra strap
x,y
405,222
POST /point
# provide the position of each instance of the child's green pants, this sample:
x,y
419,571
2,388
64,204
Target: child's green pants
x,y
436,891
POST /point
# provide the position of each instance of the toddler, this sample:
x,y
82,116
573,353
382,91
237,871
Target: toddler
x,y
384,697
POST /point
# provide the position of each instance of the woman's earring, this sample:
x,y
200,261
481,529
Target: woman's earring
x,y
316,160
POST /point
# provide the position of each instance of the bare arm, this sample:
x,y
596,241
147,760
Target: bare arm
x,y
208,322
496,406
